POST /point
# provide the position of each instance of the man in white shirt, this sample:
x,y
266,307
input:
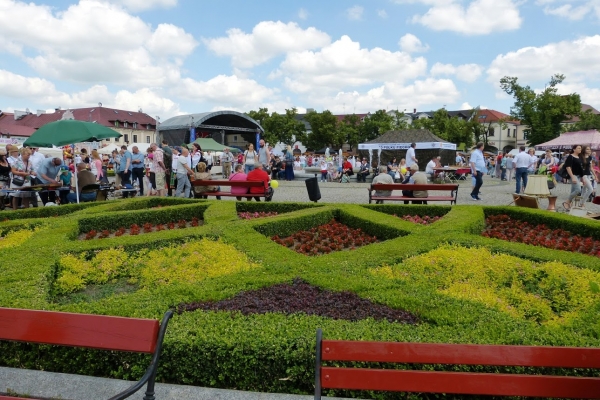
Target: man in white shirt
x,y
430,166
521,161
183,171
478,169
36,158
410,156
226,160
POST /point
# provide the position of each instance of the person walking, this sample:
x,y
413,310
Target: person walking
x,y
574,168
477,162
183,171
137,168
522,161
411,157
226,160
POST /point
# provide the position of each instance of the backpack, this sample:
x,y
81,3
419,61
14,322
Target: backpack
x,y
345,178
563,172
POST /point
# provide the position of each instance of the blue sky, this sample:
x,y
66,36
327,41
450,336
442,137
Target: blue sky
x,y
171,57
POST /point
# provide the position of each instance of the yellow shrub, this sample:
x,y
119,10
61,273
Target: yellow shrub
x,y
549,292
15,238
187,263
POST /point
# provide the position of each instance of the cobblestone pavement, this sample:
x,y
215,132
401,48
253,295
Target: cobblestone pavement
x,y
493,192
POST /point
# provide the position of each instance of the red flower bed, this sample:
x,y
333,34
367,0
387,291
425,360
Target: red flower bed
x,y
513,230
262,214
326,238
136,229
417,219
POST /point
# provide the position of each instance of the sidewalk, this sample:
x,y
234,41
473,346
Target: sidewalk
x,y
41,384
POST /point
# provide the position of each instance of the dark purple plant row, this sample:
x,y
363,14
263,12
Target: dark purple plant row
x,y
301,297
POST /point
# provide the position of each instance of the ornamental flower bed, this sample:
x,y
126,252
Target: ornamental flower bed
x,y
135,229
514,230
324,239
302,297
189,263
262,214
417,219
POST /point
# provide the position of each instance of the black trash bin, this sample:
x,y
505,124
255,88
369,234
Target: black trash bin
x,y
312,187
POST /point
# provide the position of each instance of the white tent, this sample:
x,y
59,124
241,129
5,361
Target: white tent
x,y
143,147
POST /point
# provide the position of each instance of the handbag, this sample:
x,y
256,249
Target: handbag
x,y
397,176
18,180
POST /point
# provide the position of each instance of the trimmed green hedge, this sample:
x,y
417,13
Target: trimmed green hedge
x,y
273,352
113,221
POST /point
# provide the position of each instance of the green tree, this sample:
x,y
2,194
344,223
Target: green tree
x,y
587,120
348,131
262,117
543,112
400,123
324,127
375,125
284,128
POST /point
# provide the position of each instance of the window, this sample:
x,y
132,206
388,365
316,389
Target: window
x,y
235,138
491,132
126,138
125,124
135,125
117,139
526,135
147,139
515,132
508,132
135,139
116,124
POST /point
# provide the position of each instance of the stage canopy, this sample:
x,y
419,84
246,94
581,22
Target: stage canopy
x,y
568,139
395,143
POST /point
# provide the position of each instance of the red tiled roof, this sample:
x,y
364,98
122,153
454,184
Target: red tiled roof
x,y
26,125
494,116
584,108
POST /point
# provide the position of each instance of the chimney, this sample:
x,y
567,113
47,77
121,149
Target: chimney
x,y
414,110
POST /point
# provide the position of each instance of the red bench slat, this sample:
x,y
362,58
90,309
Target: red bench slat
x,y
79,330
460,382
461,354
414,187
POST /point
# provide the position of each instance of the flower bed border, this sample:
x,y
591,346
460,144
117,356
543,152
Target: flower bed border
x,y
272,352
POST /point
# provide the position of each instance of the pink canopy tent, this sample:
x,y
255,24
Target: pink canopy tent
x,y
568,139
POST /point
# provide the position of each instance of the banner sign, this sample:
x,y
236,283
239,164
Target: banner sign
x,y
406,146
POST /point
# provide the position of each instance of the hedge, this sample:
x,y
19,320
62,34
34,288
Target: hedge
x,y
273,352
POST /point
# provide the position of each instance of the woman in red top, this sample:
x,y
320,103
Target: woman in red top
x,y
347,167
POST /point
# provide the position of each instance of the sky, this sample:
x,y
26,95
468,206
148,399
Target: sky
x,y
172,57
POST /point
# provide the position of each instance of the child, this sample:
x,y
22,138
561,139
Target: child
x,y
323,171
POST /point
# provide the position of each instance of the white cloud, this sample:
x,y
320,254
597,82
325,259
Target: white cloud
x,y
169,40
574,13
226,92
267,40
421,93
44,93
578,59
345,64
355,13
466,106
412,44
588,95
479,17
302,13
93,41
466,72
382,14
143,5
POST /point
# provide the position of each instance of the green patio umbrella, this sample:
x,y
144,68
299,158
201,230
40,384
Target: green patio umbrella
x,y
70,131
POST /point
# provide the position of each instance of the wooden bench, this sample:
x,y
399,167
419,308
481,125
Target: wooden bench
x,y
472,383
452,188
222,183
89,331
